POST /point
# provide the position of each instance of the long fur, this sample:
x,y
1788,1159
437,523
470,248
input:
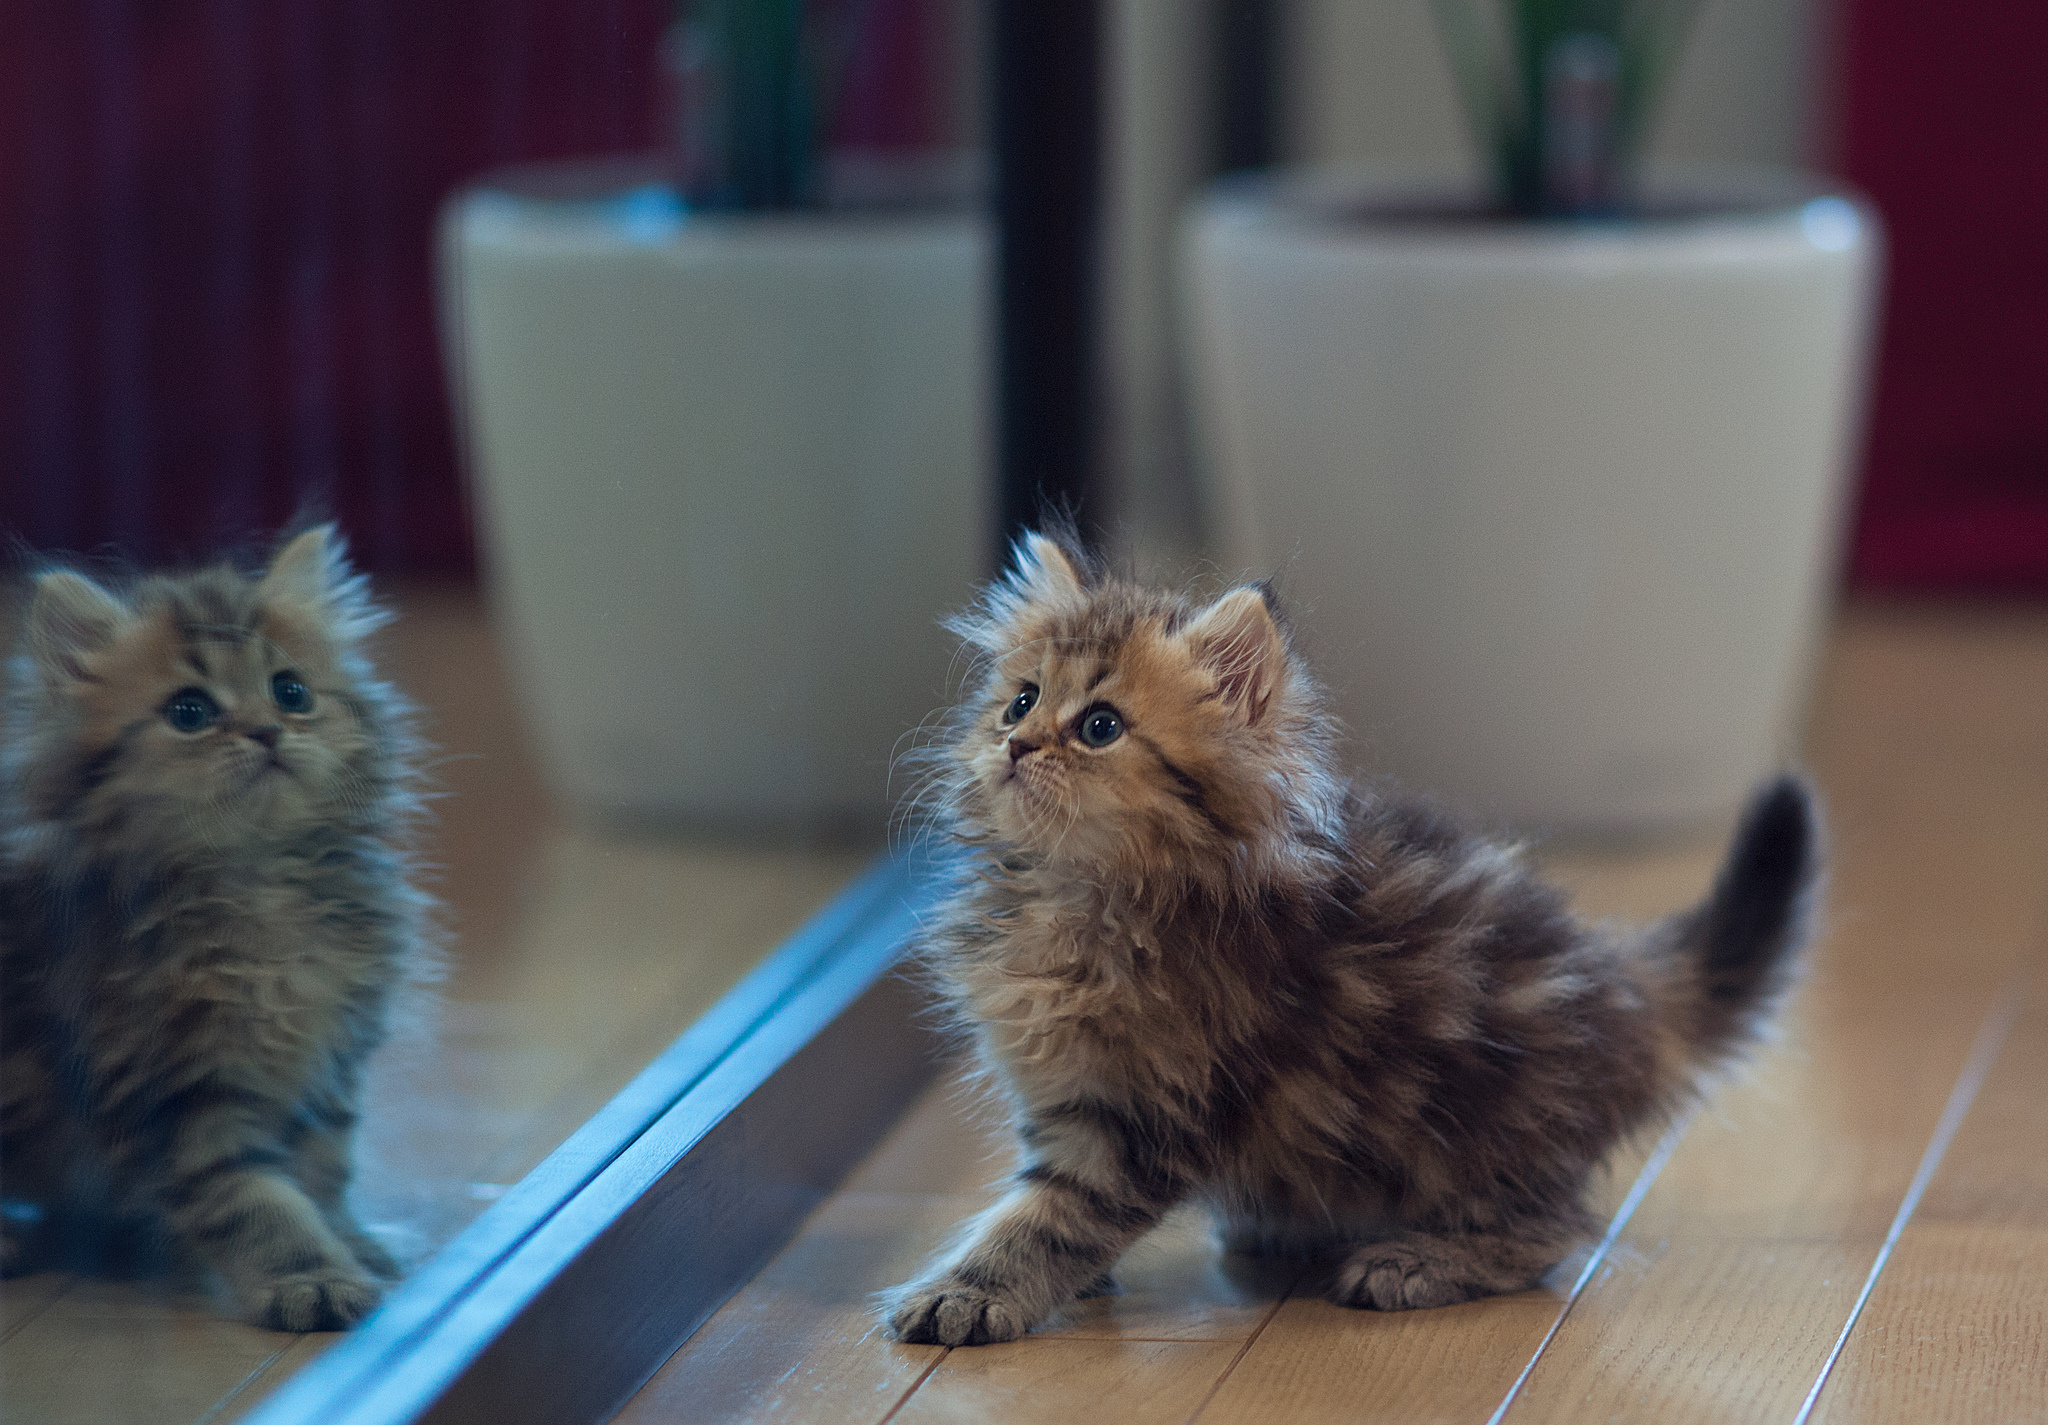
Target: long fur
x,y
1200,964
202,931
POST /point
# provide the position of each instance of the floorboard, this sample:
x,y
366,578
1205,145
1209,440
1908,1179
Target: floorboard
x,y
1956,1328
1749,1254
1728,1286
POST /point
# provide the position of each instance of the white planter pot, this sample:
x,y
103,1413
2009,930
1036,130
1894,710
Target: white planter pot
x,y
731,473
1560,504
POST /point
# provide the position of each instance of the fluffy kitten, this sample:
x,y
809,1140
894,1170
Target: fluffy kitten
x,y
1201,965
204,913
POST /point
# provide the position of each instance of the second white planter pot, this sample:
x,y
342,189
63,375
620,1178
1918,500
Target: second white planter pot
x,y
732,473
1560,503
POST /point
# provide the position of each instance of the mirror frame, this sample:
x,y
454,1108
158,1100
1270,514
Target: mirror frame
x,y
569,1292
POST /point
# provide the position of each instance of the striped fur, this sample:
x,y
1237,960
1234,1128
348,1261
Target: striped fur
x,y
1201,966
201,932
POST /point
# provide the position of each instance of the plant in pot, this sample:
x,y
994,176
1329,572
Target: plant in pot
x,y
726,415
1557,466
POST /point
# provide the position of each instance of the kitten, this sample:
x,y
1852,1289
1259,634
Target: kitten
x,y
1201,966
204,915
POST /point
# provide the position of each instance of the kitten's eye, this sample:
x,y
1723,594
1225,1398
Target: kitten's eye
x,y
1101,726
191,710
1023,703
291,694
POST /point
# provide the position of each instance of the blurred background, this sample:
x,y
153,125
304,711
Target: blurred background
x,y
220,219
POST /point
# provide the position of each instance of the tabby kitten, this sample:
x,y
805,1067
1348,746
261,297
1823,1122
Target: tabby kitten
x,y
204,915
1202,966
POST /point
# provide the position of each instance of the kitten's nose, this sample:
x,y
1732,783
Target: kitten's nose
x,y
265,735
1019,746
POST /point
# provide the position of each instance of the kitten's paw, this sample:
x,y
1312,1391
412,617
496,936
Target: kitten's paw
x,y
954,1314
1399,1276
329,1299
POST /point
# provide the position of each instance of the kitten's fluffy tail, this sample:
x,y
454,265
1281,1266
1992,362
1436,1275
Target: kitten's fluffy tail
x,y
1736,954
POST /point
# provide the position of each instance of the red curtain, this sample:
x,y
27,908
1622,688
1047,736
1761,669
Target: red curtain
x,y
1945,124
216,229
216,220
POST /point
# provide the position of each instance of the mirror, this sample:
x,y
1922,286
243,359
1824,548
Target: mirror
x,y
666,544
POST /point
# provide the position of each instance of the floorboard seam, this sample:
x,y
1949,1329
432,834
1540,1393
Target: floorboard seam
x,y
1637,1191
213,1411
55,1296
915,1386
1258,1330
1054,1340
1991,1037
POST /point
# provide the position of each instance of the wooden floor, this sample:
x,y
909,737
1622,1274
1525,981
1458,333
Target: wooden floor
x,y
1856,1231
577,957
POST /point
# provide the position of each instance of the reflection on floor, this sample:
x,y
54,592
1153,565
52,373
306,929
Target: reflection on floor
x,y
577,958
1897,1139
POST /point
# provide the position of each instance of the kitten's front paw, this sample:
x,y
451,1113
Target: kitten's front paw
x,y
1398,1276
954,1314
329,1299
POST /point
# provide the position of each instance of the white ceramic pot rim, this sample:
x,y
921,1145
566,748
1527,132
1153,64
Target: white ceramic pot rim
x,y
636,192
1561,498
1427,210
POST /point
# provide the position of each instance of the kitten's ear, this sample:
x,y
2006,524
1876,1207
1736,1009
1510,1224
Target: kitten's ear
x,y
311,574
72,619
1043,573
306,570
1236,639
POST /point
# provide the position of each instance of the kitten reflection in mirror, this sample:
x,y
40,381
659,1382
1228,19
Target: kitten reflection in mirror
x,y
1200,965
206,915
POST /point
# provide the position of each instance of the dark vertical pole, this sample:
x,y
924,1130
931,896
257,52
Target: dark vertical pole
x,y
1247,84
1047,121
